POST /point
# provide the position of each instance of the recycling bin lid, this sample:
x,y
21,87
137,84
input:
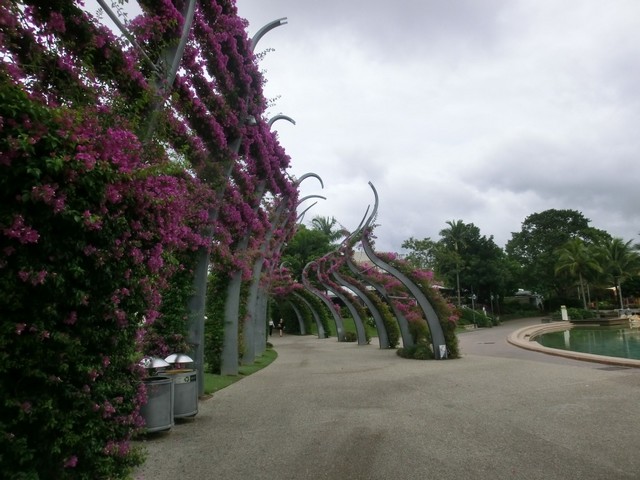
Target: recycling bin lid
x,y
178,358
157,379
153,362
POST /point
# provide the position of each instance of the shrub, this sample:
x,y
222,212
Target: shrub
x,y
607,305
469,317
311,301
416,352
420,331
446,316
513,307
83,269
70,284
580,314
350,337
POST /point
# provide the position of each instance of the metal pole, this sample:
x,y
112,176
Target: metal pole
x,y
252,329
229,360
114,18
267,28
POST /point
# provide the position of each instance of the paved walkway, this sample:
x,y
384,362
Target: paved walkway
x,y
329,410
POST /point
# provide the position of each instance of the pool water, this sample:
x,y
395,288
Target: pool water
x,y
610,341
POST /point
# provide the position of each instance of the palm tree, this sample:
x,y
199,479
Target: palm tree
x,y
577,259
327,226
454,238
620,262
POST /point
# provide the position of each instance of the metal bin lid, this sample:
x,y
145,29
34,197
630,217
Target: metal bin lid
x,y
178,358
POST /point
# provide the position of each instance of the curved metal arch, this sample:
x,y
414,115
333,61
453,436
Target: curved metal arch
x,y
257,299
383,337
186,29
352,238
310,175
403,323
297,183
304,199
264,30
114,18
303,330
261,322
357,319
437,334
280,116
314,313
301,215
328,303
407,338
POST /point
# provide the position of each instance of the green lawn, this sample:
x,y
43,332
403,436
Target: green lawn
x,y
349,326
213,383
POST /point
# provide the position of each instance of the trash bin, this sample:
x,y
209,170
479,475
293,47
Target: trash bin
x,y
185,385
158,411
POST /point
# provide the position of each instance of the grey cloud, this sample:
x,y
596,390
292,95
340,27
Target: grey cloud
x,y
391,29
481,111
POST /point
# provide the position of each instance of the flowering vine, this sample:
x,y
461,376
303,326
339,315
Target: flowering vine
x,y
101,214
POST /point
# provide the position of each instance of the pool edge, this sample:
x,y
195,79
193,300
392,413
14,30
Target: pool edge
x,y
522,338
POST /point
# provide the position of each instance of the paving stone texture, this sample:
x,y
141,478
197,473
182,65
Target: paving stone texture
x,y
330,410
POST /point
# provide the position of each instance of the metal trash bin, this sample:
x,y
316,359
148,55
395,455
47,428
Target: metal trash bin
x,y
185,385
158,411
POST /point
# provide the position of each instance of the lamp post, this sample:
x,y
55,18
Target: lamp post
x,y
473,305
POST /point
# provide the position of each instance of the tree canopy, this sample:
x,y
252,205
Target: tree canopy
x,y
577,260
305,246
556,253
620,262
533,250
421,253
329,226
464,259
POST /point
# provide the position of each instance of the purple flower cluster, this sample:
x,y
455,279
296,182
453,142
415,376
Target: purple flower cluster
x,y
20,231
111,180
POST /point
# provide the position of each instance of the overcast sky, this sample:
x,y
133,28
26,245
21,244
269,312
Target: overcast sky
x,y
484,111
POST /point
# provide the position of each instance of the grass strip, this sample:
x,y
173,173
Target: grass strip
x,y
213,382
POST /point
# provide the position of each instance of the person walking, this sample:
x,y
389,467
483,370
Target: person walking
x,y
271,325
281,326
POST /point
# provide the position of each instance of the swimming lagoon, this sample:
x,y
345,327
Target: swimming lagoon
x,y
612,341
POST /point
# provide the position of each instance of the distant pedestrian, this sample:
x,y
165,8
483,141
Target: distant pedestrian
x,y
271,325
281,326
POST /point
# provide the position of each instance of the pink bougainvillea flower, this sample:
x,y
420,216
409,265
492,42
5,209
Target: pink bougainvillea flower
x,y
22,232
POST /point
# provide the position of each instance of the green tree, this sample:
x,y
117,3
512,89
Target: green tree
x,y
534,248
620,262
453,240
305,246
471,261
328,226
577,259
422,253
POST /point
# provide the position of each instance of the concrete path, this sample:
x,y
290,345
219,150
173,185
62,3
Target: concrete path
x,y
329,410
